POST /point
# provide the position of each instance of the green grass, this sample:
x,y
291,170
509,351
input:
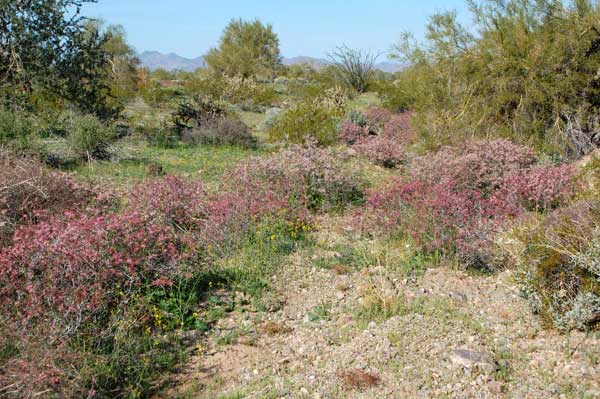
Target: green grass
x,y
204,161
365,100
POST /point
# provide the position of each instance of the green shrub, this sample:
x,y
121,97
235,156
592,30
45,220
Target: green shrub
x,y
16,131
530,74
559,269
160,136
89,138
305,122
220,131
316,118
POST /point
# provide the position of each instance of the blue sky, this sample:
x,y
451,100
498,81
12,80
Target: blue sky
x,y
305,27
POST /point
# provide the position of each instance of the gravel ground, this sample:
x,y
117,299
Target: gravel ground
x,y
451,335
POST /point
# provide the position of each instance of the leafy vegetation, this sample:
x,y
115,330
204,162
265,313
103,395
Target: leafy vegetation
x,y
139,208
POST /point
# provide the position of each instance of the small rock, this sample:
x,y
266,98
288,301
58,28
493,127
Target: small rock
x,y
458,296
483,361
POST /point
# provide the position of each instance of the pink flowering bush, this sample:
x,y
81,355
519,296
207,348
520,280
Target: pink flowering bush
x,y
376,118
30,193
477,165
381,151
349,132
398,128
437,216
539,188
180,202
303,176
70,269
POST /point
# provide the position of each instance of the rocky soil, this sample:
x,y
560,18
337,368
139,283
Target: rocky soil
x,y
377,332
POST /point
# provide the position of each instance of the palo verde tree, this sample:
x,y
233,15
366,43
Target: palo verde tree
x,y
48,54
353,68
246,49
528,70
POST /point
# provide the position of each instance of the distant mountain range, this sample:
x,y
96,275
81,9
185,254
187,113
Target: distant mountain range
x,y
155,60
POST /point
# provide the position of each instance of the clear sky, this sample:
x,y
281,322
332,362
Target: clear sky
x,y
305,27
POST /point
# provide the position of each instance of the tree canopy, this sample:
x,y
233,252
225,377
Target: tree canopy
x,y
245,48
48,53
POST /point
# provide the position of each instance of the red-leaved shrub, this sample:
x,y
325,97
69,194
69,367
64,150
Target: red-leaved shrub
x,y
398,128
539,188
62,272
180,202
29,193
350,133
376,118
303,176
478,165
381,150
437,216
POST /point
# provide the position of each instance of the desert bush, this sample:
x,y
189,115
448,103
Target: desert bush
x,y
304,122
249,94
381,151
540,188
224,130
399,128
376,118
197,113
67,282
17,132
510,78
316,118
438,217
90,138
558,267
30,193
350,132
353,68
476,165
181,204
301,175
70,269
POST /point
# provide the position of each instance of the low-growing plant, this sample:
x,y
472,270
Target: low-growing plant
x,y
381,151
90,138
376,119
304,122
539,188
181,204
399,128
30,193
305,176
558,267
350,132
477,165
225,130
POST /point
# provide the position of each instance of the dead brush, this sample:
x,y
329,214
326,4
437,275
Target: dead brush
x,y
274,328
358,379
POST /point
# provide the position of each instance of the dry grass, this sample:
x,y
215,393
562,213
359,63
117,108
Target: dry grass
x,y
358,379
273,328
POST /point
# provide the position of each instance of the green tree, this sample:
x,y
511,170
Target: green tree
x,y
48,54
247,49
530,73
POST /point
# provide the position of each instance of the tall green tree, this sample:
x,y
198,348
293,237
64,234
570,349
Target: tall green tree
x,y
245,48
48,54
530,71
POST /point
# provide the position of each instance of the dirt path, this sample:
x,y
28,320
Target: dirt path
x,y
450,335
